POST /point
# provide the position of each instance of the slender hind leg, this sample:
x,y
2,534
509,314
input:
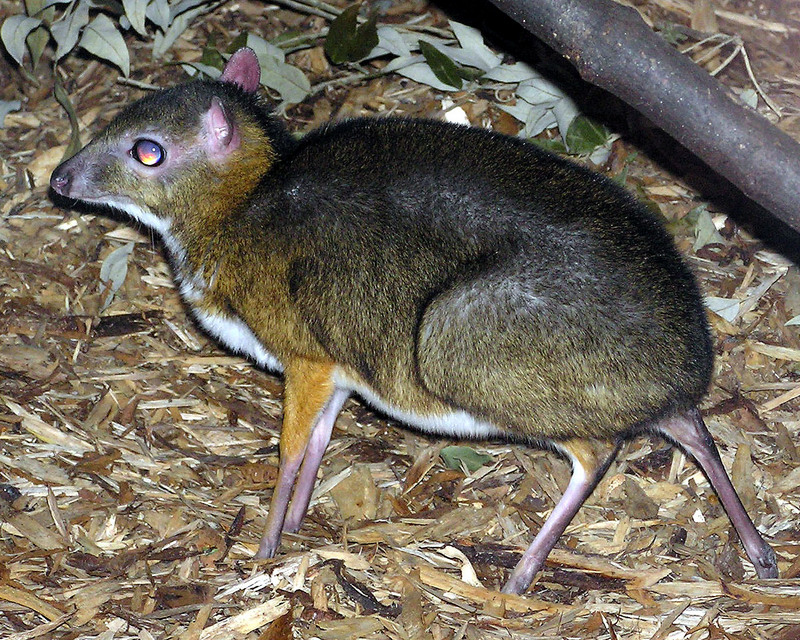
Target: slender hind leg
x,y
587,470
689,431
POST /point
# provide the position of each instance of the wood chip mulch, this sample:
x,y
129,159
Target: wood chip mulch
x,y
137,459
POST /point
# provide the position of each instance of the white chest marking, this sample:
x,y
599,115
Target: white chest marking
x,y
238,337
231,331
142,214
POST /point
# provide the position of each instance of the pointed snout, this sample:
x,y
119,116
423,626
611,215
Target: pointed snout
x,y
77,177
63,179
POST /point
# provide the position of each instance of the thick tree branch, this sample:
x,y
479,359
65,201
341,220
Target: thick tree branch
x,y
612,47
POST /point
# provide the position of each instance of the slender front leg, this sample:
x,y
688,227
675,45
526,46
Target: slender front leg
x,y
304,485
689,431
587,469
309,389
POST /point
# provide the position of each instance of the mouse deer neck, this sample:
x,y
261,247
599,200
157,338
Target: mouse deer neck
x,y
204,210
218,190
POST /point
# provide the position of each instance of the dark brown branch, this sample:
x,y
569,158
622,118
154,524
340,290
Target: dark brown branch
x,y
612,47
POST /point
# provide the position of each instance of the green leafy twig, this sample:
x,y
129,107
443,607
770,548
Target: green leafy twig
x,y
62,97
349,41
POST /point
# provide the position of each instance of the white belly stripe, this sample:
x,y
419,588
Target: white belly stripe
x,y
238,337
234,334
458,424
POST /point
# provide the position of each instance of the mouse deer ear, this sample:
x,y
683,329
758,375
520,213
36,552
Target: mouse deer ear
x,y
243,69
221,135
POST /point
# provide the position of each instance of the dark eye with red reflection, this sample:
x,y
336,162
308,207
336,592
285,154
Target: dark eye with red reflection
x,y
149,153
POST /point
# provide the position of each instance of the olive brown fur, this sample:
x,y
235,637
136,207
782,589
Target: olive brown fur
x,y
464,282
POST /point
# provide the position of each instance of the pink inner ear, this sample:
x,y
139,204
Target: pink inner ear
x,y
222,136
243,69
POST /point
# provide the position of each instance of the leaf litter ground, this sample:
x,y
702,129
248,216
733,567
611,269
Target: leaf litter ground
x,y
137,459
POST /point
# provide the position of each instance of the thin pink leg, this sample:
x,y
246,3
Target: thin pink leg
x,y
307,477
277,507
586,473
689,431
288,472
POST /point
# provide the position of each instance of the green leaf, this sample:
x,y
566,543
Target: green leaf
x,y
237,43
289,81
101,38
415,68
186,5
585,135
113,272
158,12
347,41
511,73
469,74
471,41
51,3
265,49
749,97
455,457
14,32
550,144
136,10
213,58
536,118
392,41
62,97
38,38
443,67
727,308
288,35
366,38
37,41
6,107
673,34
704,228
622,177
340,33
67,30
181,22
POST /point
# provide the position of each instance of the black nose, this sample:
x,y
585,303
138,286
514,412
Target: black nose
x,y
61,180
